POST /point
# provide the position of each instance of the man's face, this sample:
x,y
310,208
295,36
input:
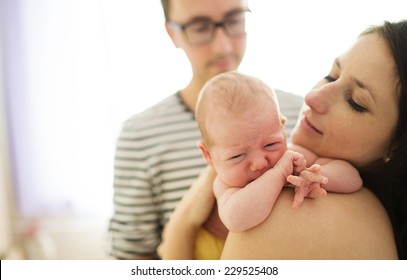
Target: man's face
x,y
222,53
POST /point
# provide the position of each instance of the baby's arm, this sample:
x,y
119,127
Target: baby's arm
x,y
309,156
342,176
244,208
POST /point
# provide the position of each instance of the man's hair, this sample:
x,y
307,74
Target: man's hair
x,y
231,93
166,7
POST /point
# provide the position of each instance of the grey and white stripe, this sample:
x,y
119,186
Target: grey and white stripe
x,y
156,161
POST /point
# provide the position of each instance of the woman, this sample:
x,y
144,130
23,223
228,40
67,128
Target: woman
x,y
356,113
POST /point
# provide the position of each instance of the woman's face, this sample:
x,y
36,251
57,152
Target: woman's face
x,y
352,113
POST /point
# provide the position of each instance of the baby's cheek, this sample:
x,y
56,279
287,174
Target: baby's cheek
x,y
240,179
276,156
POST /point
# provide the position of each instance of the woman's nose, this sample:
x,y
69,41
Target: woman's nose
x,y
318,100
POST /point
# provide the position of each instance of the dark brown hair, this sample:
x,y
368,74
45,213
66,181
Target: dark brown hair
x,y
389,180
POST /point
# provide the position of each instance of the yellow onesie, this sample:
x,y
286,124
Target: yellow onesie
x,y
208,246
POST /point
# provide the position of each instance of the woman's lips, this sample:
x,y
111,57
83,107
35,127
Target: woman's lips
x,y
308,126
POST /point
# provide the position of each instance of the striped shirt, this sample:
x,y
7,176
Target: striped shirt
x,y
156,161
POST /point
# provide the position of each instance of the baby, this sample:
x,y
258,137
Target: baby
x,y
243,138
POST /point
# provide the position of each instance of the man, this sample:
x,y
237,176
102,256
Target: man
x,y
157,159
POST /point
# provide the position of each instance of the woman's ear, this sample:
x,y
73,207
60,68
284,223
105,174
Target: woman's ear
x,y
205,152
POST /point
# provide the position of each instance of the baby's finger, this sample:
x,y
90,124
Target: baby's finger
x,y
317,178
315,168
298,198
317,191
297,181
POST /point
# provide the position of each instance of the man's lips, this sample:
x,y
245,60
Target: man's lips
x,y
309,126
223,63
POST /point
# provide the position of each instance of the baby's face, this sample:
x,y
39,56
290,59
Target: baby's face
x,y
245,147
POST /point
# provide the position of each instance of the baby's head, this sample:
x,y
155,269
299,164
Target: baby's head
x,y
238,114
232,95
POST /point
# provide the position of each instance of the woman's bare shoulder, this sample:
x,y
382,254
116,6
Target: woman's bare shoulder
x,y
338,226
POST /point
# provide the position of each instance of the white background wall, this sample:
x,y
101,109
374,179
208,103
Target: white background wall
x,y
5,183
74,70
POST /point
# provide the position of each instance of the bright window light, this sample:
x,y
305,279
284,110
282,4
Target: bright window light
x,y
78,69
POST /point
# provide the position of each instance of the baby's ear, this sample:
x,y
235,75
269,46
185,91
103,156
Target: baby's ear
x,y
283,120
205,152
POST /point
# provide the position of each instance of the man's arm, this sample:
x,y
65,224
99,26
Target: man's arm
x,y
179,235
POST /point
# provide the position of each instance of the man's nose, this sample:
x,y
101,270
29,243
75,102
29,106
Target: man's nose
x,y
222,42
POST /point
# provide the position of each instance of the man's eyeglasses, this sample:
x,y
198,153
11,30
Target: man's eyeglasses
x,y
200,31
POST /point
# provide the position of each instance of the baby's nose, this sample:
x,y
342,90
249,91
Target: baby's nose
x,y
259,163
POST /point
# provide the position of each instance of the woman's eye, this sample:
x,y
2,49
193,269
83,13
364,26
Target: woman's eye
x,y
355,106
330,79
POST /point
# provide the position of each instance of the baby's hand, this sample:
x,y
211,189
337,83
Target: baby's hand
x,y
291,163
308,176
299,163
308,183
